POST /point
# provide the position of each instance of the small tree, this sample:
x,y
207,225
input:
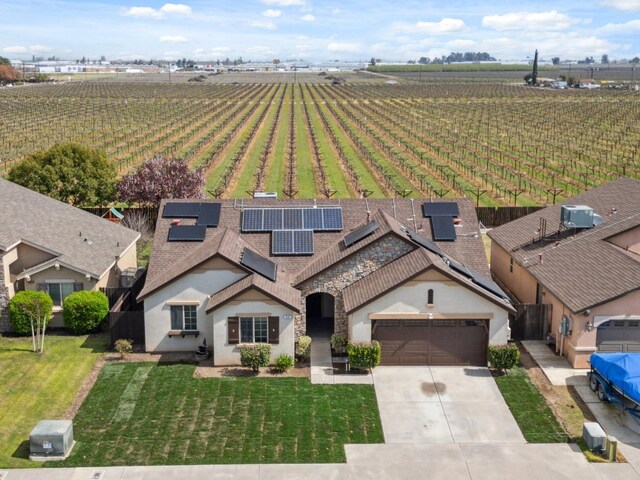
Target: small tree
x,y
365,354
31,311
160,178
503,357
71,173
84,311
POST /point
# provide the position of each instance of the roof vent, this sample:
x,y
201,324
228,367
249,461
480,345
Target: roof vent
x,y
577,216
265,195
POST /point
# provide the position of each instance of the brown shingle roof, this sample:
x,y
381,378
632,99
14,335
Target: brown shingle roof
x,y
400,271
81,240
584,269
279,291
171,259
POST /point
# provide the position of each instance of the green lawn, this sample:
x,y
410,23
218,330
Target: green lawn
x,y
35,387
148,414
533,415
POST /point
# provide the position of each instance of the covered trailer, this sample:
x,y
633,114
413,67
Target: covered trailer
x,y
615,377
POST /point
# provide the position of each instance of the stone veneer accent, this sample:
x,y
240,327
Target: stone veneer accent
x,y
341,275
4,302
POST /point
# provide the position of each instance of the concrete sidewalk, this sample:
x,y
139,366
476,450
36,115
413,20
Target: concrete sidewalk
x,y
322,367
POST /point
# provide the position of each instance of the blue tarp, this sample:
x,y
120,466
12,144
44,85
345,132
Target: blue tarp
x,y
622,370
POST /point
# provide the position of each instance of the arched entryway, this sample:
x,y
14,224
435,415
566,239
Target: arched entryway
x,y
320,313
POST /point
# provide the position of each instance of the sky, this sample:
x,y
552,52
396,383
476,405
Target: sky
x,y
318,30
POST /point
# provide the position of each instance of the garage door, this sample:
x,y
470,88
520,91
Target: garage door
x,y
619,336
432,342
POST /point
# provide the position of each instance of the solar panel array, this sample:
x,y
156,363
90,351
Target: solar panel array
x,y
424,242
360,233
269,219
207,215
258,264
292,242
441,215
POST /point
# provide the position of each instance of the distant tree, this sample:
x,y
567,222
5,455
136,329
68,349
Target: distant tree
x,y
30,311
424,60
5,61
411,62
604,59
71,173
372,62
8,73
555,60
160,178
635,60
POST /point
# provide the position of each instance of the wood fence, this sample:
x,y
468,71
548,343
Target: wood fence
x,y
130,325
496,216
531,321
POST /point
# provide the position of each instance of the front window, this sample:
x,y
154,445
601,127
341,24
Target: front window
x,y
184,317
254,330
59,291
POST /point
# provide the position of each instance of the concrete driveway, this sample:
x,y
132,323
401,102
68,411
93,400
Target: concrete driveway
x,y
443,405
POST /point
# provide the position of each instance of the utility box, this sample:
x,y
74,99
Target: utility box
x,y
594,436
576,216
51,440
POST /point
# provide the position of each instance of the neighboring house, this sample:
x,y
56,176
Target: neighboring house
x,y
270,271
53,247
590,275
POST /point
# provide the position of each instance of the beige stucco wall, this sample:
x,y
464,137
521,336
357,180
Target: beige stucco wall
x,y
111,278
450,298
629,240
28,257
519,282
244,306
196,286
8,258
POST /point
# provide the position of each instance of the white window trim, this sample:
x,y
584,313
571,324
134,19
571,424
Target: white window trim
x,y
253,317
177,303
183,318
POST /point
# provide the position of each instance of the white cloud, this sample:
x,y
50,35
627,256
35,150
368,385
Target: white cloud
x,y
263,24
308,18
629,5
173,39
199,51
285,3
220,50
15,49
444,26
261,50
462,44
162,12
544,21
344,47
271,13
632,26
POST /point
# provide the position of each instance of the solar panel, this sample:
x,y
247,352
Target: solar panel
x,y
252,219
443,229
209,214
332,218
187,233
303,242
424,242
181,210
292,219
460,268
488,285
272,219
440,209
359,233
258,264
312,218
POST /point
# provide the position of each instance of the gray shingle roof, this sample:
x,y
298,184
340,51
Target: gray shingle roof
x,y
81,240
582,269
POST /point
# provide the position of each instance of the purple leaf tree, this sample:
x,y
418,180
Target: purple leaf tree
x,y
160,178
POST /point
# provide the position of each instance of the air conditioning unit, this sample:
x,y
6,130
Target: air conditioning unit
x,y
129,276
265,195
594,436
51,440
576,216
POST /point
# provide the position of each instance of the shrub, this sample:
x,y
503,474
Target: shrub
x,y
339,342
504,357
304,346
24,305
123,346
283,363
255,356
84,311
364,354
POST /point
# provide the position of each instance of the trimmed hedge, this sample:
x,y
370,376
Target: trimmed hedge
x,y
304,347
283,363
85,311
255,355
364,354
24,302
339,342
504,357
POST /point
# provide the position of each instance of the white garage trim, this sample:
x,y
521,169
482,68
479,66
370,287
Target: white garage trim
x,y
429,316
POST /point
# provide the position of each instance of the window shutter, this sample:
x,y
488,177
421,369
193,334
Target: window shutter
x,y
233,330
77,287
42,287
274,329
